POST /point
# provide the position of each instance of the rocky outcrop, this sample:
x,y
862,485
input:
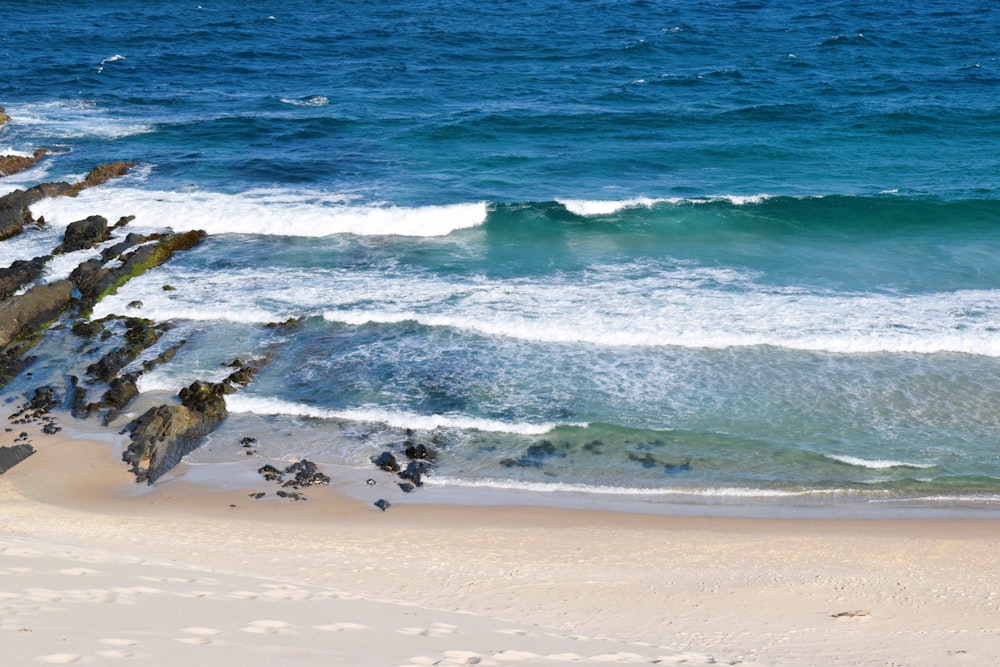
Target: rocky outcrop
x,y
31,311
95,280
166,433
3,116
100,174
11,455
14,207
11,164
20,273
14,211
85,233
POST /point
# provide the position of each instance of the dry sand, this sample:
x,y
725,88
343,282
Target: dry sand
x,y
95,569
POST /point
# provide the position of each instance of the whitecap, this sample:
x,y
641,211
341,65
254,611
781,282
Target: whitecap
x,y
240,403
272,213
877,464
311,101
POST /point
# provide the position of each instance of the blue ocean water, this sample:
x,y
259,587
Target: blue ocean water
x,y
702,250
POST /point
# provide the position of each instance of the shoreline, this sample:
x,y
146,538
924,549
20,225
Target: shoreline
x,y
740,590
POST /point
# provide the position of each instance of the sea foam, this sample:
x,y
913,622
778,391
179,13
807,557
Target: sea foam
x,y
271,213
393,418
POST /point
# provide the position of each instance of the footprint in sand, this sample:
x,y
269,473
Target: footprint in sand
x,y
59,658
77,571
266,627
436,630
115,653
341,627
632,658
514,656
202,636
114,641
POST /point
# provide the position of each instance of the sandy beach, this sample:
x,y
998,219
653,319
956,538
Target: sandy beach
x,y
99,570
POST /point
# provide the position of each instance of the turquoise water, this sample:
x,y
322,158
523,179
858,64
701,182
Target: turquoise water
x,y
724,249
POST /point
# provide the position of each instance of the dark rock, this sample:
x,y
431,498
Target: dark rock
x,y
79,406
258,495
13,361
164,434
305,474
100,174
414,472
270,473
129,242
85,233
420,452
94,280
291,495
33,310
386,461
382,504
370,482
646,459
246,442
534,456
20,273
163,357
675,468
11,455
139,334
51,429
406,487
121,391
43,400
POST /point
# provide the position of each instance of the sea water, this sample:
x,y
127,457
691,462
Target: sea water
x,y
710,250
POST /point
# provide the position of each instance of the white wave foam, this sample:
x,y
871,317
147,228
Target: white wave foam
x,y
877,464
565,487
272,213
47,121
586,207
670,311
395,419
311,101
593,207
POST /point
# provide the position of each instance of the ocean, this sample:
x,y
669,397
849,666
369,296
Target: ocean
x,y
693,253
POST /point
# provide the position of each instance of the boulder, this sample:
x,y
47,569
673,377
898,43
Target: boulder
x,y
85,233
3,116
162,436
386,461
166,433
415,470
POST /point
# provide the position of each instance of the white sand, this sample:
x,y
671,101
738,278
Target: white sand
x,y
95,570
